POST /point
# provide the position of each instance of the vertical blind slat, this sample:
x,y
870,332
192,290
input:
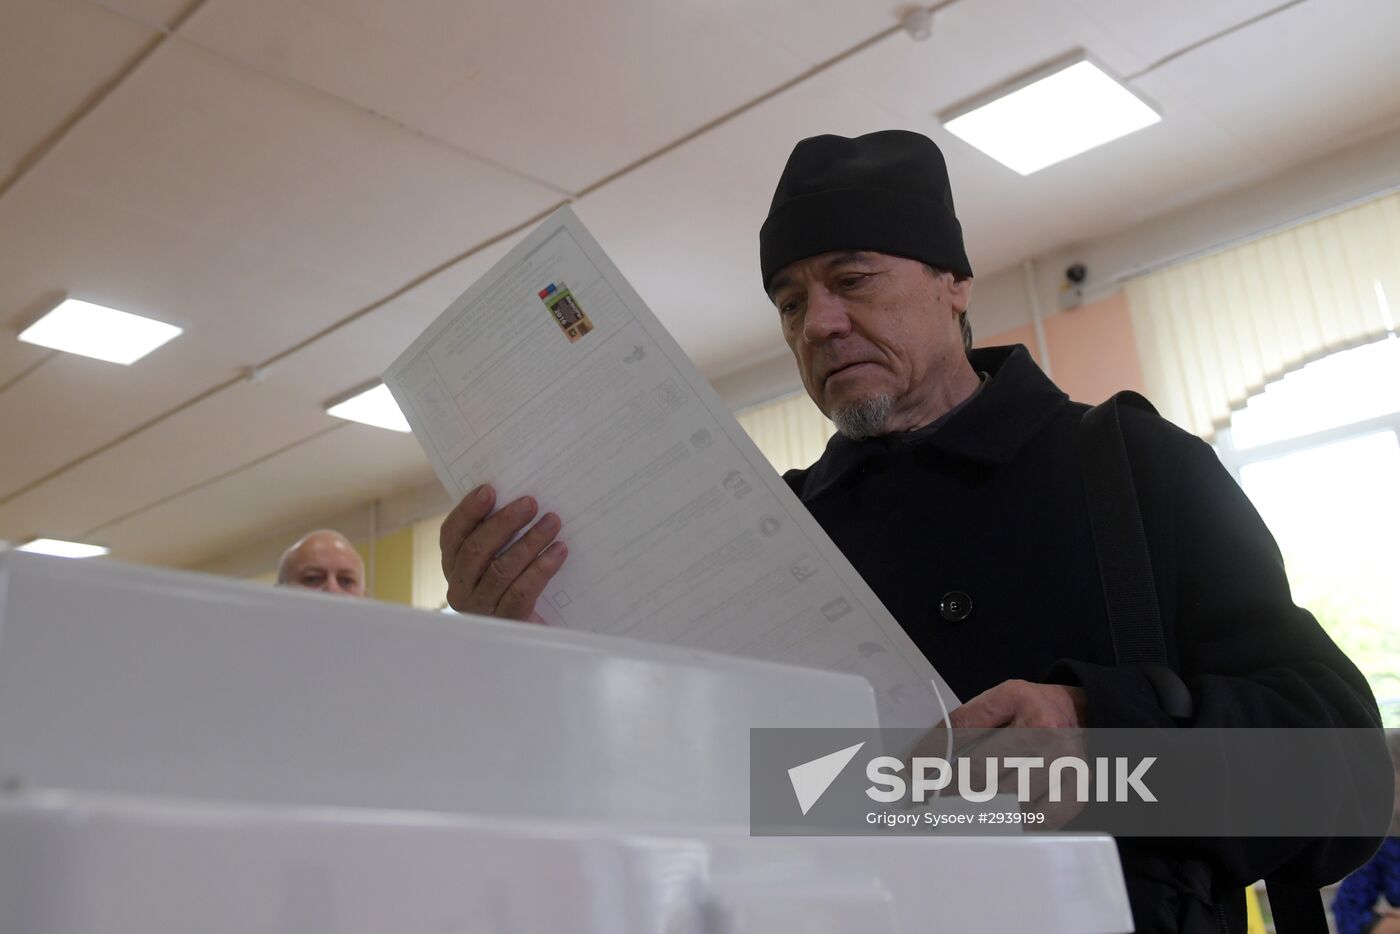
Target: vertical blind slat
x,y
1215,330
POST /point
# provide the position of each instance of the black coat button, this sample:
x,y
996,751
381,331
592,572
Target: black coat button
x,y
955,606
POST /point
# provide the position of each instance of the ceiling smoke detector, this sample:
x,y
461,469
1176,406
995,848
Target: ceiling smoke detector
x,y
918,22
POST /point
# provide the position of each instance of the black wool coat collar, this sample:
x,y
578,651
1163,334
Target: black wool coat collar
x,y
1015,403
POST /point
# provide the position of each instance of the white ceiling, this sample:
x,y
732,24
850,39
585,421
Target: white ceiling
x,y
308,184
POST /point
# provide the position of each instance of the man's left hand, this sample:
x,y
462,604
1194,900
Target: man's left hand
x,y
1023,704
981,724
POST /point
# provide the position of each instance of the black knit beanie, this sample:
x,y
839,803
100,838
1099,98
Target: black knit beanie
x,y
886,192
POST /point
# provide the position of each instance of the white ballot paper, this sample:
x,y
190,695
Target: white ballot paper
x,y
551,378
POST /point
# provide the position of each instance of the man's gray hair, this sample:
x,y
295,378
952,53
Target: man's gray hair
x,y
963,324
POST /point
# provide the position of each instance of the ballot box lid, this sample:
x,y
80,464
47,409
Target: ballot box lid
x,y
126,680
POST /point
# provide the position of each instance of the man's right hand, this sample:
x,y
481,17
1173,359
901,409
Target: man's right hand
x,y
483,579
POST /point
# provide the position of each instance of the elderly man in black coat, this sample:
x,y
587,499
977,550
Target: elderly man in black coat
x,y
955,487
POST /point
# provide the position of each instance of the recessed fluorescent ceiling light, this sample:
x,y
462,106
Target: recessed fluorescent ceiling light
x,y
62,549
375,407
94,331
1069,109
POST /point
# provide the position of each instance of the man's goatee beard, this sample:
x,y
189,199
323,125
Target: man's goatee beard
x,y
863,418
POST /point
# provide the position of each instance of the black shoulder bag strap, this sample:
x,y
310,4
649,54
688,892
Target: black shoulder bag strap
x,y
1125,566
1134,616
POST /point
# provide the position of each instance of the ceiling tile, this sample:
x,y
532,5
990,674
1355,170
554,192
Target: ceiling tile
x,y
225,431
559,90
70,405
222,196
232,293
293,491
54,55
241,158
1153,31
163,13
17,358
359,352
1307,81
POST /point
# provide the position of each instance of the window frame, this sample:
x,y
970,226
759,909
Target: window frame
x,y
1235,459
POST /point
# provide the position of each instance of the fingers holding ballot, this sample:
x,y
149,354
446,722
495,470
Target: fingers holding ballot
x,y
486,577
1023,704
1014,724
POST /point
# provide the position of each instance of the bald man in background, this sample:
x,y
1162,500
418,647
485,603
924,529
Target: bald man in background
x,y
323,560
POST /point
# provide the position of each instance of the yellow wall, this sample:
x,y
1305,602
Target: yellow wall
x,y
393,566
270,578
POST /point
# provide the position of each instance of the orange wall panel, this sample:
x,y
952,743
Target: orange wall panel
x,y
1022,335
1092,350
